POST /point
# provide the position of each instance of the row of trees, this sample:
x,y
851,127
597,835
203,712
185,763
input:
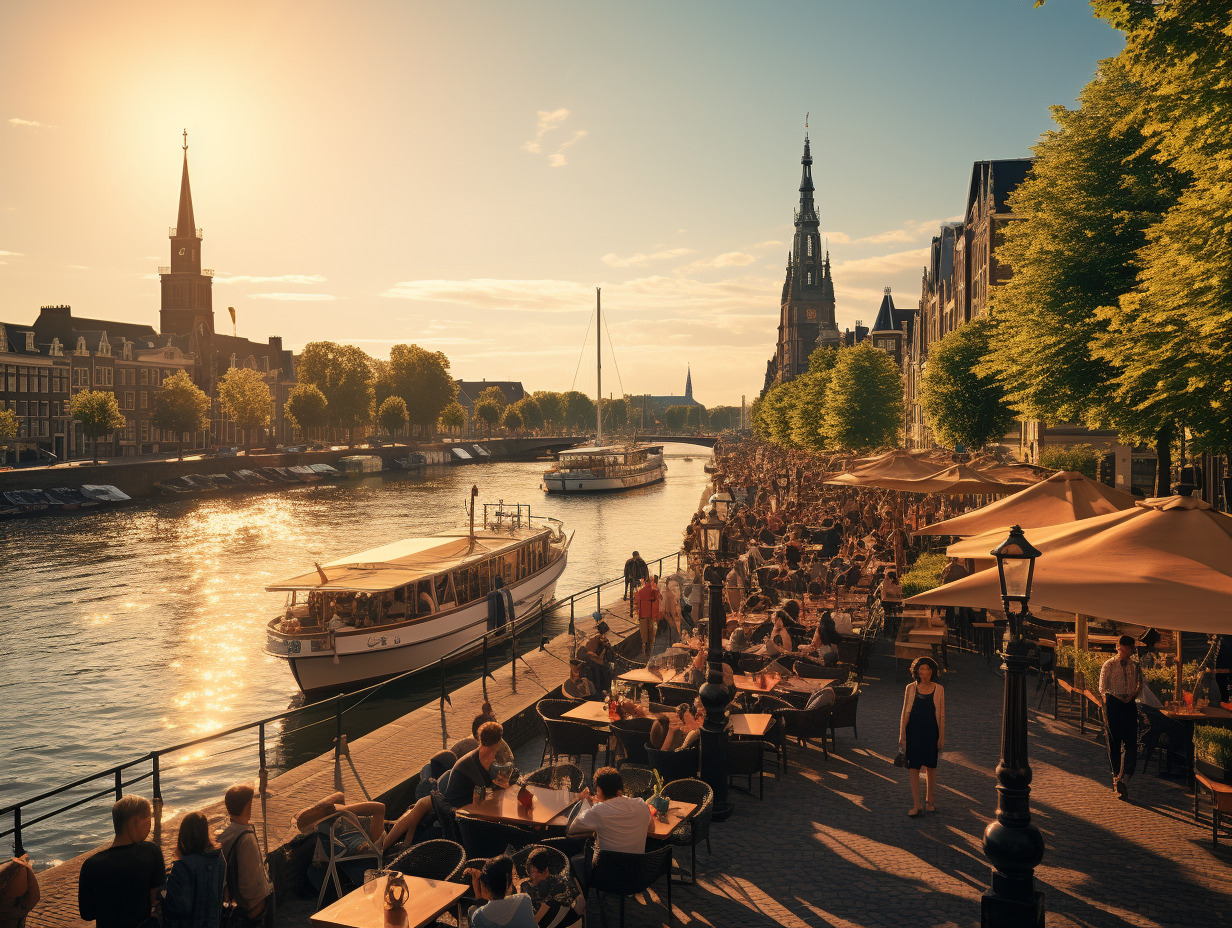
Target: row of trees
x,y
849,399
1120,306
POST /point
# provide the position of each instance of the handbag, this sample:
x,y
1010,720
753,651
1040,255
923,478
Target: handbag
x,y
900,759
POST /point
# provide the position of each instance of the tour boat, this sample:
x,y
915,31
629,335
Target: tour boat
x,y
405,605
598,467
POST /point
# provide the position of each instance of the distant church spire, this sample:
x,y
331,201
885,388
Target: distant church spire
x,y
688,383
184,224
807,211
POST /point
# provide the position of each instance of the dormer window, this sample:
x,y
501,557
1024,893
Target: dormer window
x,y
56,349
81,345
30,342
128,351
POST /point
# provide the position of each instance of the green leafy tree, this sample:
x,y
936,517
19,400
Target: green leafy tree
x,y
809,401
306,408
488,413
8,428
1093,192
774,414
496,395
99,415
964,407
864,400
579,411
511,419
552,405
392,415
615,414
532,415
345,375
757,418
1083,458
674,417
181,407
422,379
453,417
723,418
246,397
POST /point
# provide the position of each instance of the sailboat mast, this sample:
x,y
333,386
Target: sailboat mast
x,y
598,366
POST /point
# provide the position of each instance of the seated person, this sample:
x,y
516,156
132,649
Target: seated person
x,y
239,841
500,908
691,718
504,754
779,641
824,646
19,892
739,640
551,895
619,822
361,844
430,776
577,686
470,771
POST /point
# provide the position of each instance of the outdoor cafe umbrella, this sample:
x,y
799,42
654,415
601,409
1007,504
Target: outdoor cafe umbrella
x,y
1066,496
1165,563
957,480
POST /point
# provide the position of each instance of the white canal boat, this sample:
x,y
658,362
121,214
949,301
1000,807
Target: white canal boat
x,y
405,605
598,467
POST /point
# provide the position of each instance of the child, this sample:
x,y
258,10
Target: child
x,y
499,909
550,896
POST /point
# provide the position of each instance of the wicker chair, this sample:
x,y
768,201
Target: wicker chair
x,y
555,708
674,765
558,867
629,874
489,839
843,714
697,827
753,664
674,694
574,739
446,817
633,735
805,724
569,776
745,758
437,859
639,780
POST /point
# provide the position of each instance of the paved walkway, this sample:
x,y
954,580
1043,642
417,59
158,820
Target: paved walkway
x,y
831,844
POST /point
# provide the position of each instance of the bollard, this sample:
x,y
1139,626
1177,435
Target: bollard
x,y
572,631
444,696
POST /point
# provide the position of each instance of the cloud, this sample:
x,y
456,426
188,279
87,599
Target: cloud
x,y
770,243
911,231
880,265
292,296
77,267
282,279
642,259
548,120
727,259
11,254
28,123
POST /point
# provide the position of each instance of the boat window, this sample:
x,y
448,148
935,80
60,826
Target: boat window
x,y
472,577
485,578
522,562
460,585
425,604
444,591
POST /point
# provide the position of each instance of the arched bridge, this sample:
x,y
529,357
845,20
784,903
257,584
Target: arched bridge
x,y
704,440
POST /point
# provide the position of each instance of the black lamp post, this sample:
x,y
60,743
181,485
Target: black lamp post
x,y
1012,843
714,695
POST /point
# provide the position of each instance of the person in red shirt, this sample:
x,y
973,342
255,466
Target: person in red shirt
x,y
646,602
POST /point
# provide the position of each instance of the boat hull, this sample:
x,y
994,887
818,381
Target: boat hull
x,y
557,482
377,654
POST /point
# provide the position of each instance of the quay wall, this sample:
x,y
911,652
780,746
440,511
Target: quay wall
x,y
388,760
138,478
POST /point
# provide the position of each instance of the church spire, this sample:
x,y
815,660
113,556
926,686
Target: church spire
x,y
807,211
688,383
185,227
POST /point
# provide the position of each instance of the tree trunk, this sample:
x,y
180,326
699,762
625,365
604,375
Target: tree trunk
x,y
1163,455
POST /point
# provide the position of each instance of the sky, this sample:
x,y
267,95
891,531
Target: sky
x,y
464,175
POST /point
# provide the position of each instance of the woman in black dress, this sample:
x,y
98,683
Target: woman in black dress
x,y
921,730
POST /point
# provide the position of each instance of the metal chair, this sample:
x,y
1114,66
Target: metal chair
x,y
624,875
805,724
697,827
746,758
674,765
638,779
489,839
446,817
633,735
550,709
674,694
437,859
348,844
569,776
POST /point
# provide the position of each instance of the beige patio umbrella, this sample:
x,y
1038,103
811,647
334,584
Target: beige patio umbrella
x,y
1065,497
1014,473
1166,563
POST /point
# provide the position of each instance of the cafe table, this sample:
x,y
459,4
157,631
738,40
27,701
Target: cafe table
x,y
750,724
678,812
365,907
747,683
592,712
1189,716
504,806
642,675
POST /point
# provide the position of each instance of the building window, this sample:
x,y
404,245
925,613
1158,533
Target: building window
x,y
44,379
30,341
21,380
21,407
145,400
810,246
808,277
11,373
108,373
154,378
98,376
145,376
145,430
81,344
45,409
128,400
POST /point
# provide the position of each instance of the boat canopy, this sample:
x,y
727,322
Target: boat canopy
x,y
404,562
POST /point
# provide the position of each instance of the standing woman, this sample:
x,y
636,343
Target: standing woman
x,y
194,888
921,730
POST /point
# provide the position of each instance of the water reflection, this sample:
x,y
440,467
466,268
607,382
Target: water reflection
x,y
140,628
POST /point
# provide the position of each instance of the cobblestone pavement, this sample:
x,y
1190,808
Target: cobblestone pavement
x,y
831,844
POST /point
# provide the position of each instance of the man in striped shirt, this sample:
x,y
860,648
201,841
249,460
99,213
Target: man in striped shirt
x,y
1120,683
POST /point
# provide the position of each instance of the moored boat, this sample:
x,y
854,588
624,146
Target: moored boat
x,y
615,467
408,604
104,493
358,465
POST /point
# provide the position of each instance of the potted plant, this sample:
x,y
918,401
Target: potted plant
x,y
1213,752
657,801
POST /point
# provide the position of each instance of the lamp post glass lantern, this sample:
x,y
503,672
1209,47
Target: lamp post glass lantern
x,y
1012,844
714,696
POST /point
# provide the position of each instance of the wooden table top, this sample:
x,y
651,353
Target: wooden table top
x,y
591,711
752,724
678,813
504,806
642,675
1190,714
365,907
748,684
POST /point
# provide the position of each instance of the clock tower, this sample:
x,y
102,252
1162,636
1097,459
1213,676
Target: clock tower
x,y
806,317
187,306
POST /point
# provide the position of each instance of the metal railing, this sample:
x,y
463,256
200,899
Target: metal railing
x,y
115,775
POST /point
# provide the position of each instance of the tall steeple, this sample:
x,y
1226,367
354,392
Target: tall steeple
x,y
688,383
187,288
807,212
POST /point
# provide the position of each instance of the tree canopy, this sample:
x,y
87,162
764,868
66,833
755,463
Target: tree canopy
x,y
511,419
392,417
552,405
488,413
246,397
344,374
453,416
864,400
306,408
964,407
98,411
580,412
180,407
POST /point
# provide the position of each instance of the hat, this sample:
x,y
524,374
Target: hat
x,y
602,628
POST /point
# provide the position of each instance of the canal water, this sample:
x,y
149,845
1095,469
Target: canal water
x,y
138,629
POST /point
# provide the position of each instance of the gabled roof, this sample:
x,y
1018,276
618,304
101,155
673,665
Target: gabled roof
x,y
15,338
1002,176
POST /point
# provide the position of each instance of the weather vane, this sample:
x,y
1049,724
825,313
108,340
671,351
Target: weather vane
x,y
186,139
806,116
